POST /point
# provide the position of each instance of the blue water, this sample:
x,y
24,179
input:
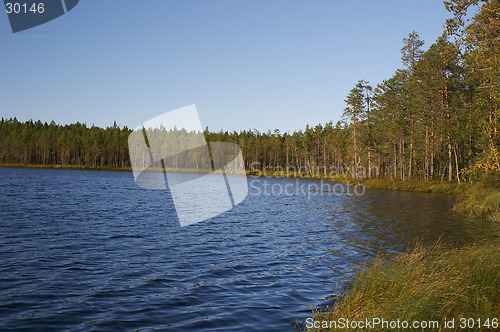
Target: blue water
x,y
89,250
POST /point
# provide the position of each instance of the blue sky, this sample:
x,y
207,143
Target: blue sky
x,y
261,64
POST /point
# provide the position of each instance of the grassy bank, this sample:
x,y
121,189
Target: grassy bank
x,y
480,201
415,184
428,284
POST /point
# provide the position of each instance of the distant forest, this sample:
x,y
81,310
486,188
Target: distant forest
x,y
435,118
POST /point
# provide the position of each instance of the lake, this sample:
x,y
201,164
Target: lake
x,y
90,250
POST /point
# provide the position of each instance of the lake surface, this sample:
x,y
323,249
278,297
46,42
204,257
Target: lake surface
x,y
89,250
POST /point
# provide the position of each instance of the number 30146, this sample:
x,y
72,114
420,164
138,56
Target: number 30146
x,y
18,8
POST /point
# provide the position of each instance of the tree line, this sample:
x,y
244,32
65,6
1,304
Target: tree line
x,y
52,144
435,118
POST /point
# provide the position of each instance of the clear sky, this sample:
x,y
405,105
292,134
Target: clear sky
x,y
261,64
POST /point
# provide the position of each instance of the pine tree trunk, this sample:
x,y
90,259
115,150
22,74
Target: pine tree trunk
x,y
426,171
411,147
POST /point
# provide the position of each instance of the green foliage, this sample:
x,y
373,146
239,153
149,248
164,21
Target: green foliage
x,y
484,167
356,102
411,52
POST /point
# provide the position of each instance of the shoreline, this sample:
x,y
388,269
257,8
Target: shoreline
x,y
413,184
478,199
433,186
